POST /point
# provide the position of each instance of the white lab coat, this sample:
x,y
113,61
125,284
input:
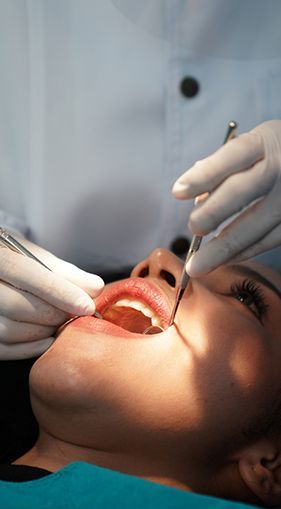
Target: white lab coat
x,y
94,129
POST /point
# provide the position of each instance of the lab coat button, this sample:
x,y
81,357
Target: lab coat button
x,y
180,245
189,87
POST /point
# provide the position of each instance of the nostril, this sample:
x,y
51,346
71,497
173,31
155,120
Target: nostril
x,y
171,280
144,272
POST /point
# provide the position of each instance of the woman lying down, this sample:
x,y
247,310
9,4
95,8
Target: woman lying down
x,y
196,407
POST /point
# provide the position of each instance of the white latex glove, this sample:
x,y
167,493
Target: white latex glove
x,y
246,172
35,301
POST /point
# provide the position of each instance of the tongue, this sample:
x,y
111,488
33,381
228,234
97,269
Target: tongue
x,y
127,318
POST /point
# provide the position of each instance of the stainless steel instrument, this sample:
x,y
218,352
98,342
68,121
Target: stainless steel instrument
x,y
196,239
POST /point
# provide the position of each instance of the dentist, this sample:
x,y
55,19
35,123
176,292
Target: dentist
x,y
98,120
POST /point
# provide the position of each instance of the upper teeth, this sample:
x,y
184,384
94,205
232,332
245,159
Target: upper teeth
x,y
140,306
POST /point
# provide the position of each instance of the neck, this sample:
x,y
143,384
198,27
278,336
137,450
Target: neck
x,y
52,454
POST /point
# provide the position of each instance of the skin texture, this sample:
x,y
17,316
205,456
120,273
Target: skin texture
x,y
170,407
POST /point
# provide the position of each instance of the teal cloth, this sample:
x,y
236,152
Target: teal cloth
x,y
80,485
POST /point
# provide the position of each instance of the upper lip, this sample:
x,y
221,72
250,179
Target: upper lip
x,y
139,289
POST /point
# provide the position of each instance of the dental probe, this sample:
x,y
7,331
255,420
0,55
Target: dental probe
x,y
196,239
16,246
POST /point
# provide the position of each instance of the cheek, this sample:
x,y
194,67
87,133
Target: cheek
x,y
230,356
249,362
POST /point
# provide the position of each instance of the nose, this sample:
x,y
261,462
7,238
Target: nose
x,y
161,264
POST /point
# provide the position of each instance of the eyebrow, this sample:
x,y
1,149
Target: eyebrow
x,y
243,270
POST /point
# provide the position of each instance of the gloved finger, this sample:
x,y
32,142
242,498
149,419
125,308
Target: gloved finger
x,y
235,193
91,283
246,230
235,156
26,274
25,307
15,351
269,241
12,332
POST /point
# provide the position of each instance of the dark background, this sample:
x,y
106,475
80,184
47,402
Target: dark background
x,y
18,427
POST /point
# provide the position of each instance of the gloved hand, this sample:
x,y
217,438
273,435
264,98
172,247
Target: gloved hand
x,y
243,177
35,301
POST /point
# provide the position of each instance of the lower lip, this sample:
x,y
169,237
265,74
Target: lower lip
x,y
96,325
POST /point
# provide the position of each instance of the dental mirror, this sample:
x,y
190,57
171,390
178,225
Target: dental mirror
x,y
153,329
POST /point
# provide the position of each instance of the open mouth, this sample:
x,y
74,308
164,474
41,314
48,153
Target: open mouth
x,y
134,316
135,306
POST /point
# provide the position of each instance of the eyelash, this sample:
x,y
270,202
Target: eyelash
x,y
250,290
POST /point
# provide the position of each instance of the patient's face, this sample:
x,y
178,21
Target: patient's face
x,y
190,389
